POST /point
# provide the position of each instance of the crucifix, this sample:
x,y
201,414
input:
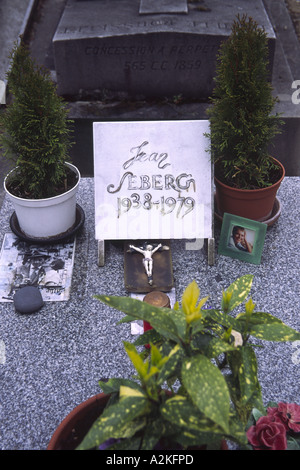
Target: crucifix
x,y
148,266
147,251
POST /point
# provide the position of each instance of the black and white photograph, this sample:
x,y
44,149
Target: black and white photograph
x,y
44,266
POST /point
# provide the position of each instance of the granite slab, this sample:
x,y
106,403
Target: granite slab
x,y
51,361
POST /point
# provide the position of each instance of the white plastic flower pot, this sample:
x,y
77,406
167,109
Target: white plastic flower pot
x,y
46,218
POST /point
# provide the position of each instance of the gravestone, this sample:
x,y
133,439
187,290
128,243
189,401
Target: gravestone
x,y
153,180
146,48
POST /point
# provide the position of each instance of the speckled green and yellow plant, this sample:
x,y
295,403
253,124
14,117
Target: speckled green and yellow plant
x,y
203,358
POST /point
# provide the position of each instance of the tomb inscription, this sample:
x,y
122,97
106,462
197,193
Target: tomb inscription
x,y
155,185
101,45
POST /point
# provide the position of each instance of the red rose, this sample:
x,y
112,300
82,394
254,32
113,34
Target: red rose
x,y
267,434
290,413
277,416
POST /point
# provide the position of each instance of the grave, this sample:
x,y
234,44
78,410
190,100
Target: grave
x,y
144,47
53,360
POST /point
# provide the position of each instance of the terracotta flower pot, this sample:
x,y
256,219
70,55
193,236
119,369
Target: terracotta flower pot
x,y
254,204
71,431
76,424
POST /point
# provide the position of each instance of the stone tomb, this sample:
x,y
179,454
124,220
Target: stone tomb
x,y
124,46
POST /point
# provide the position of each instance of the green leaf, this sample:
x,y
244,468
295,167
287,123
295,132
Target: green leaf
x,y
211,346
272,404
207,388
126,391
244,364
126,444
249,306
190,298
198,325
293,444
149,336
237,430
217,347
196,428
238,292
152,434
271,329
179,319
182,412
153,371
116,421
189,303
257,414
169,368
223,319
137,361
156,356
113,385
126,319
159,318
274,332
257,318
265,326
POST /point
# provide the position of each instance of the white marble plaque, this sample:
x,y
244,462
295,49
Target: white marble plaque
x,y
152,180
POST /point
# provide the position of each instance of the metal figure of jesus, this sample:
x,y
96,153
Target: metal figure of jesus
x,y
148,252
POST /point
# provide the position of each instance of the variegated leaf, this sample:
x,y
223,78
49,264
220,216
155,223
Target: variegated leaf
x,y
207,388
239,291
114,421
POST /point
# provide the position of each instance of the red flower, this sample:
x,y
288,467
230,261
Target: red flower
x,y
267,434
277,416
290,415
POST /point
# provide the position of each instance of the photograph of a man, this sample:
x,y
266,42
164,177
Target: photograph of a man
x,y
241,239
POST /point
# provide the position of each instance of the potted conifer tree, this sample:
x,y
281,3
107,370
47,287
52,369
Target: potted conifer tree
x,y
35,134
242,125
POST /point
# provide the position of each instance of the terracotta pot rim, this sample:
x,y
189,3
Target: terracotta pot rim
x,y
61,426
89,403
258,190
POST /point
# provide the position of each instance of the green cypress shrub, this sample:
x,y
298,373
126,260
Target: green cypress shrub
x,y
34,129
241,123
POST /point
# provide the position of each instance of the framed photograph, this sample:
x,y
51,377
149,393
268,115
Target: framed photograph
x,y
242,238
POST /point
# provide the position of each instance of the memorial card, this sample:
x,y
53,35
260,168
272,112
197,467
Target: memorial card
x,y
47,267
153,180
